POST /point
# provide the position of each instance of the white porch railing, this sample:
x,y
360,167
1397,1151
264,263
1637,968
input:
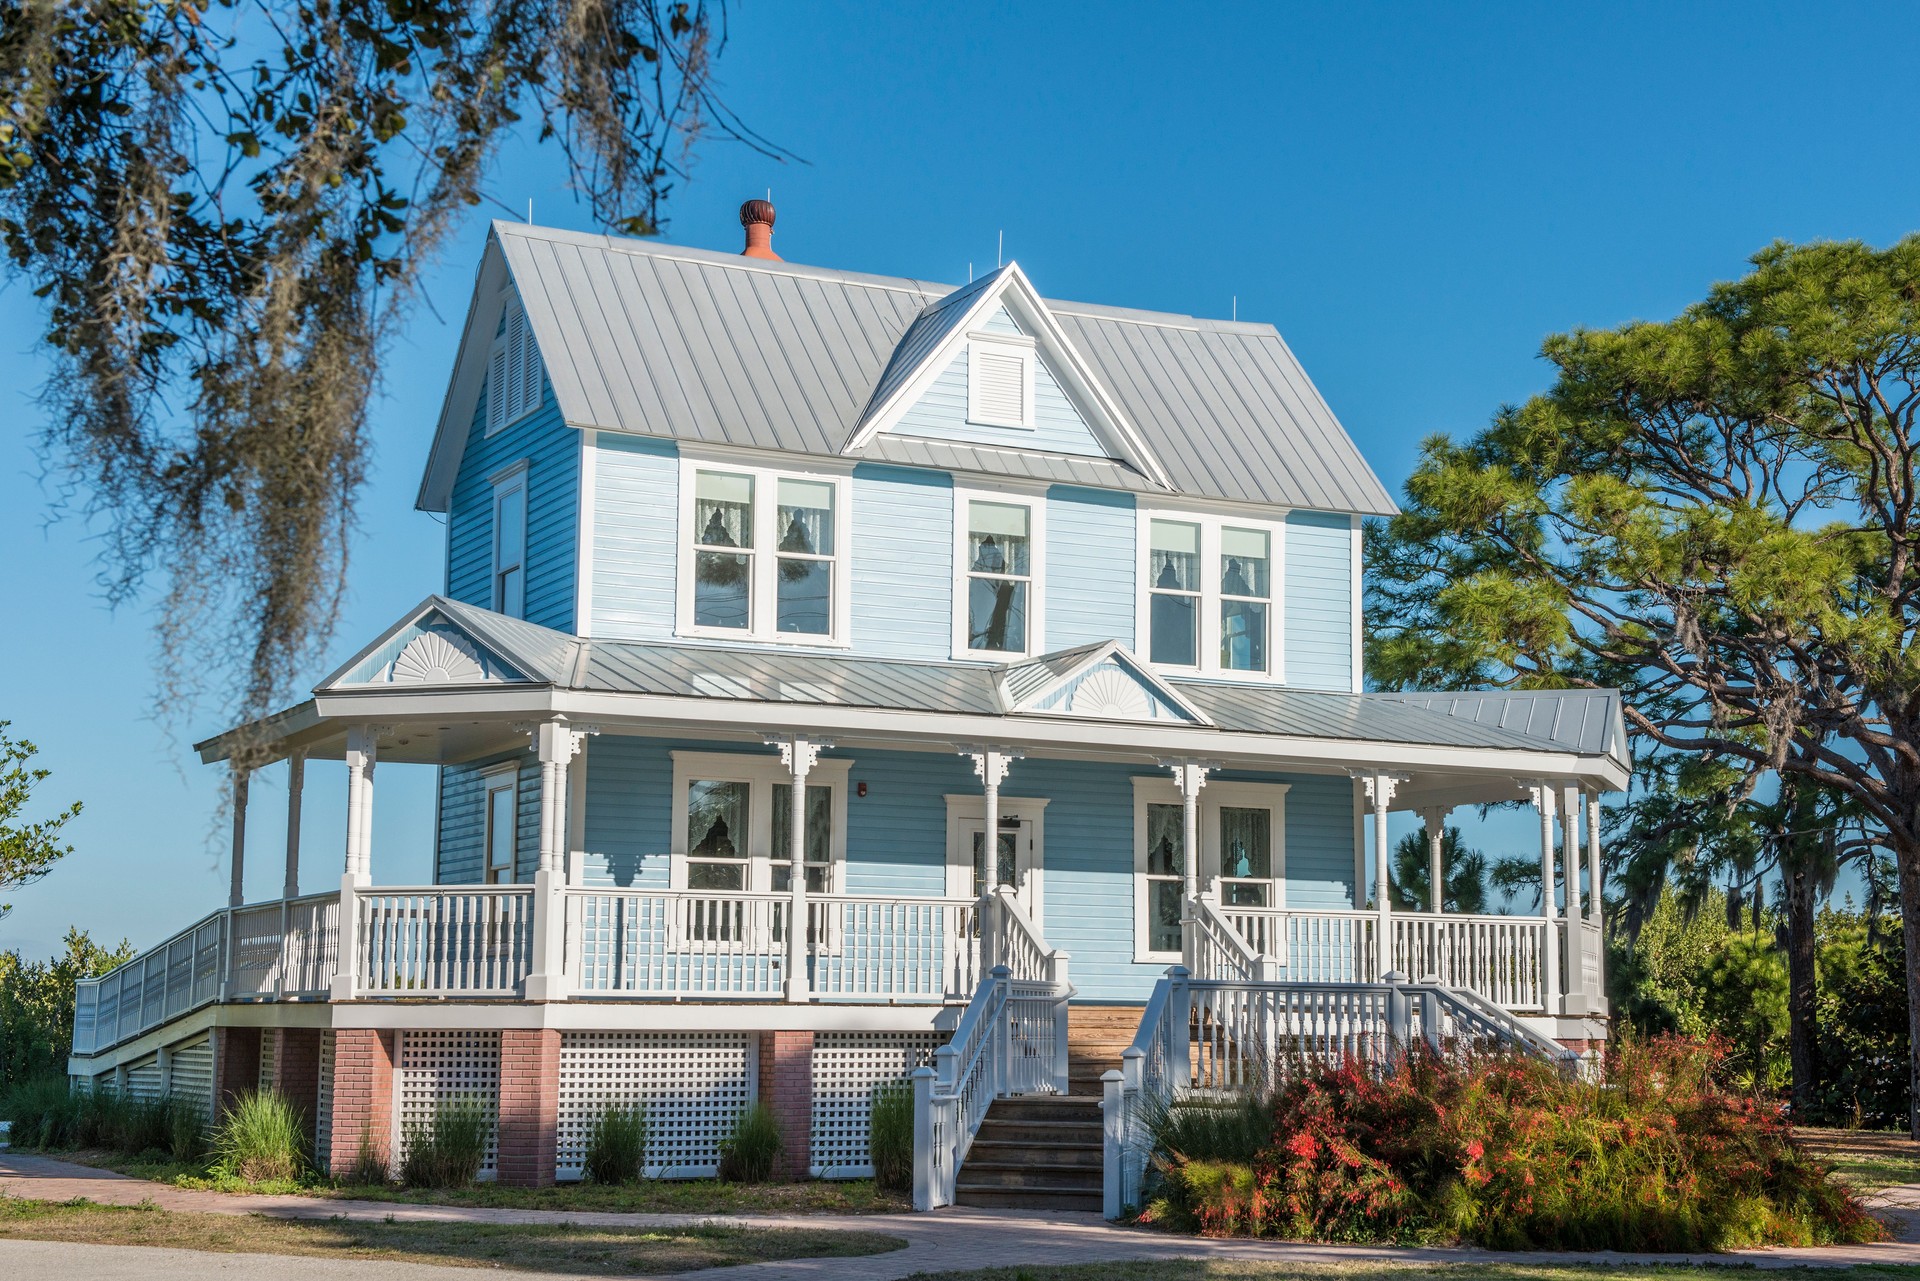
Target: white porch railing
x,y
446,941
1018,943
1215,948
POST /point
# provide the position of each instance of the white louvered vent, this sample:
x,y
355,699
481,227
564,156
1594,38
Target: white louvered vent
x,y
514,384
998,383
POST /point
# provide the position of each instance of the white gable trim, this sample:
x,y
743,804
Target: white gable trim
x,y
1015,292
1112,651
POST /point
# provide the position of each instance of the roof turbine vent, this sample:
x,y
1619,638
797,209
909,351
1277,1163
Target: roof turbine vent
x,y
757,217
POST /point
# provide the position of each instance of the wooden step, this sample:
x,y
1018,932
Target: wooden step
x,y
1030,1174
994,1153
1028,1198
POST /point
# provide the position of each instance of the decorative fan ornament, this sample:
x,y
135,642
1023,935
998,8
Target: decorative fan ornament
x,y
1111,694
435,659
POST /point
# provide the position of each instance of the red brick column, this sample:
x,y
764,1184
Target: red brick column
x,y
363,1062
786,1087
296,1069
236,1065
529,1106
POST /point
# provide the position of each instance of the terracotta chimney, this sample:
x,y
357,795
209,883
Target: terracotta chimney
x,y
757,217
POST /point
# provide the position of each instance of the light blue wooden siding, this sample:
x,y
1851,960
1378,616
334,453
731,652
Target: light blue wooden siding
x,y
635,556
551,450
902,562
1319,601
1090,565
1058,428
460,859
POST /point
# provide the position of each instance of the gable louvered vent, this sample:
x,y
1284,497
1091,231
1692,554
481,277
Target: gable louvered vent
x,y
513,377
1000,385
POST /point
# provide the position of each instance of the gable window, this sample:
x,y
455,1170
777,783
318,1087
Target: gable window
x,y
1208,604
1241,860
510,543
514,383
763,555
999,381
502,786
997,601
732,823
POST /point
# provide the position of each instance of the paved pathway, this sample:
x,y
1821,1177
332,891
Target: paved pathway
x,y
948,1239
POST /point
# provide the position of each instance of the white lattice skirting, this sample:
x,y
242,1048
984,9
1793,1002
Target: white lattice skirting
x,y
847,1066
692,1084
440,1067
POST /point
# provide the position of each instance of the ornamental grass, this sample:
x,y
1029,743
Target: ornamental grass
x,y
1654,1153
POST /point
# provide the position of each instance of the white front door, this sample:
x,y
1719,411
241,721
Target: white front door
x,y
1021,859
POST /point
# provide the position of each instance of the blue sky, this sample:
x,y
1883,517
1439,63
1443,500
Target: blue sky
x,y
1415,195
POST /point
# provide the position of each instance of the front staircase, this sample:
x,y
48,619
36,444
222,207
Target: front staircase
x,y
1044,1152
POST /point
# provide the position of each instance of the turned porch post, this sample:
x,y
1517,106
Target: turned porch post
x,y
799,754
1595,895
362,753
1542,795
1190,776
991,765
296,784
1435,817
236,888
556,743
1380,788
1570,863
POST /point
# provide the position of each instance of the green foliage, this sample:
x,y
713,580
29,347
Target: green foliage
x,y
1863,1021
186,1135
37,1108
753,1144
890,1136
1508,1153
1463,874
369,1168
1745,1000
448,1149
261,1139
36,1006
617,1148
1206,1129
48,1115
28,851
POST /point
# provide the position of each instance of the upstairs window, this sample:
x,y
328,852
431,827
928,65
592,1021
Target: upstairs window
x,y
1208,603
997,596
514,387
510,544
999,381
762,555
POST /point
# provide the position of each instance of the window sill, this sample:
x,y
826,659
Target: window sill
x,y
775,640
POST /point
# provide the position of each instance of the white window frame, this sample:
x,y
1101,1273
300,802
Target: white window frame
x,y
1035,501
761,774
494,778
1211,523
513,363
1214,797
763,592
504,483
967,808
1007,346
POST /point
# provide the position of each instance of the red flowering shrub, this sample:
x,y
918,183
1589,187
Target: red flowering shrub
x,y
1507,1152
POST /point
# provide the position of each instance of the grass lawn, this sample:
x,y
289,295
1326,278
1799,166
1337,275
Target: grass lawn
x,y
1866,1158
1201,1270
561,1247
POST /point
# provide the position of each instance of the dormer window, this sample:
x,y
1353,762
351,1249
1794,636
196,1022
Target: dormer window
x,y
514,386
762,555
1000,380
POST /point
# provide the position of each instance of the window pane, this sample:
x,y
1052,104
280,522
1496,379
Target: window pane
x,y
716,820
1243,894
819,835
722,589
500,825
1243,635
783,878
998,539
512,592
1175,638
1008,868
1163,916
510,524
1246,843
1166,839
723,509
716,876
1174,558
997,614
1244,563
804,596
806,517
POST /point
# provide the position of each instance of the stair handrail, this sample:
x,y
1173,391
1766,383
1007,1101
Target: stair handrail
x,y
1214,949
1022,948
1484,1017
1152,1071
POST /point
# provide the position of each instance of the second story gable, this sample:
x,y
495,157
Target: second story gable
x,y
653,443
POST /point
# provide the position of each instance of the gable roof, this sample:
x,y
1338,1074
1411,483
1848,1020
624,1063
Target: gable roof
x,y
718,349
1048,683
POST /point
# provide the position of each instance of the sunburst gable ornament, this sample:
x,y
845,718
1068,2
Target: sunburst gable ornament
x,y
1113,695
433,658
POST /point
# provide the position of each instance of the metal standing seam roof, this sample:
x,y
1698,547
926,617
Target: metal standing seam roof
x,y
1579,720
719,349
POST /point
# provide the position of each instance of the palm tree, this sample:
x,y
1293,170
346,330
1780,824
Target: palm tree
x,y
1463,871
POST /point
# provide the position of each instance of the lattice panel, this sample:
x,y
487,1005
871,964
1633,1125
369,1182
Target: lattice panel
x,y
323,1106
269,1047
693,1085
193,1076
439,1067
143,1081
846,1068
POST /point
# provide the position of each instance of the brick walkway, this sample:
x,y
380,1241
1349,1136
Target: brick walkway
x,y
949,1239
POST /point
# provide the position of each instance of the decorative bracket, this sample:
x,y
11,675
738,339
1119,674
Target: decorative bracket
x,y
1189,775
1540,792
1380,786
991,764
797,753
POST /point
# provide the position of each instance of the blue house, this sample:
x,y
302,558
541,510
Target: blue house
x,y
1012,645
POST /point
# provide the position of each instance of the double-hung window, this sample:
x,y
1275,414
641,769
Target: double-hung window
x,y
763,556
501,785
1208,604
732,827
997,597
509,590
1242,854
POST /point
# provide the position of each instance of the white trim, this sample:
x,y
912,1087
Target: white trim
x,y
1116,653
1021,351
1215,796
576,824
1211,522
503,776
1359,626
505,481
762,773
1359,845
1035,501
762,598
964,810
586,486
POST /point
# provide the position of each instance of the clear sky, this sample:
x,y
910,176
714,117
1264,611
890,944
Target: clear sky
x,y
1415,195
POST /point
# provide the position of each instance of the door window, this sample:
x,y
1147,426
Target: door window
x,y
1246,856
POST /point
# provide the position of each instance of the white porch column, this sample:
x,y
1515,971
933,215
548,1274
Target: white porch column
x,y
1596,898
556,742
1542,796
1380,788
236,889
1190,777
1435,817
362,751
296,784
1570,863
990,765
799,754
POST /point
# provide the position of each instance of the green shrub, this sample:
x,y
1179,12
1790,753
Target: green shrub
x,y
261,1139
186,1133
617,1148
369,1168
748,1152
1506,1152
144,1126
37,1108
448,1151
890,1136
